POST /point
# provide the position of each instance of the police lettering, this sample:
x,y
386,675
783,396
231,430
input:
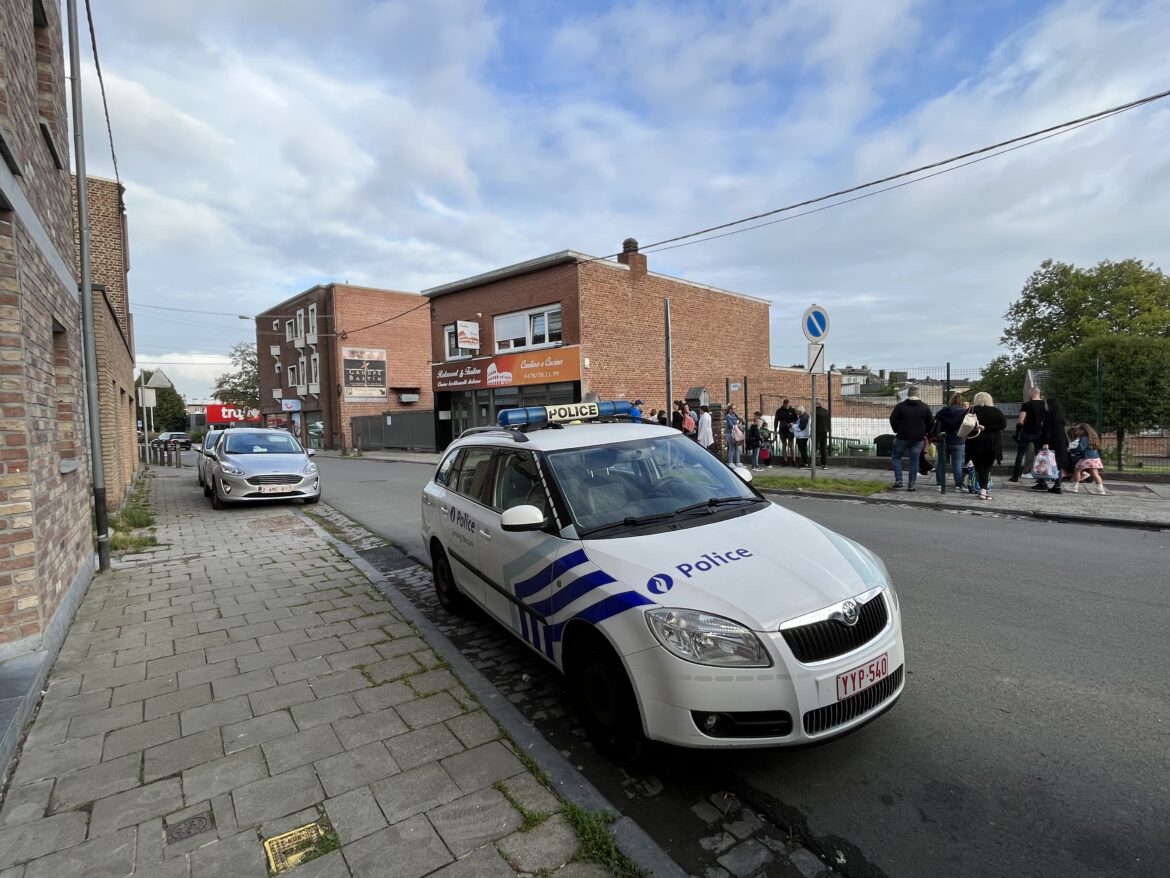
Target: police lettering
x,y
571,412
462,519
711,560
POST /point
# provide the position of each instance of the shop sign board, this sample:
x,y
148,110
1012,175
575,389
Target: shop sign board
x,y
510,370
364,374
229,414
467,335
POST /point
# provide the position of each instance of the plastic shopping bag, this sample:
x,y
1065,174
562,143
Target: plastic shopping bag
x,y
1044,466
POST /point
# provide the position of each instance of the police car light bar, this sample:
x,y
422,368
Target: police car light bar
x,y
557,414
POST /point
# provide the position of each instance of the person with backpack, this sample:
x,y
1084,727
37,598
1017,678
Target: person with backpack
x,y
947,426
910,420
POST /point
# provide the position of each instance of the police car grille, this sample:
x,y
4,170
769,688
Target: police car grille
x,y
274,479
829,639
824,718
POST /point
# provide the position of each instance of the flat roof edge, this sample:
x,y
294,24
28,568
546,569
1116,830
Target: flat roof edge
x,y
553,259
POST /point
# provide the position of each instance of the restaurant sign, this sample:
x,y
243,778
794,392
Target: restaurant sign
x,y
510,370
364,374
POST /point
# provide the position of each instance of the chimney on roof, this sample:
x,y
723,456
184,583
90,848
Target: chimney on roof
x,y
631,257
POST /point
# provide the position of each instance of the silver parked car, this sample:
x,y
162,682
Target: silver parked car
x,y
206,458
251,464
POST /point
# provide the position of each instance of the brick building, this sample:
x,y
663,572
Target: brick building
x,y
113,332
338,356
46,544
555,328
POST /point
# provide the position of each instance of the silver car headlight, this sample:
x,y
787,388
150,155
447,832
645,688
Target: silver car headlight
x,y
706,639
309,469
231,470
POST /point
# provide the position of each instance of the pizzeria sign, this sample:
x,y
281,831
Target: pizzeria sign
x,y
509,370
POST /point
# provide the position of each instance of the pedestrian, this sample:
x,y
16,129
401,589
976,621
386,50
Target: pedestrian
x,y
1029,430
652,418
676,417
755,438
948,441
1055,439
636,410
1089,445
824,425
690,425
801,429
706,436
734,435
663,418
985,446
785,418
911,421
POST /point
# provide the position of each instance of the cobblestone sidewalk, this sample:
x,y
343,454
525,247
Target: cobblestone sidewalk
x,y
245,679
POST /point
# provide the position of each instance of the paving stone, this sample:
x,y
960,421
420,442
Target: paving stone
x,y
265,659
332,865
170,869
252,732
102,721
148,688
414,792
272,615
289,822
26,841
218,713
284,638
37,763
337,682
200,642
23,804
276,796
279,697
311,649
473,729
427,711
110,857
180,754
72,706
387,695
202,781
483,863
377,619
207,673
707,812
425,745
106,679
433,681
483,766
593,870
225,815
354,814
369,727
242,684
325,710
174,702
807,863
97,782
301,670
333,629
531,795
355,768
548,847
240,856
401,646
175,663
745,858
474,820
362,638
393,669
745,826
140,737
301,748
412,846
135,806
232,651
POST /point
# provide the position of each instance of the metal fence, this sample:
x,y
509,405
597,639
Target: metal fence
x,y
411,430
1130,414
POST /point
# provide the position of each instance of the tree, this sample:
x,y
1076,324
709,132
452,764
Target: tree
x,y
241,388
1062,306
1003,378
1119,384
170,411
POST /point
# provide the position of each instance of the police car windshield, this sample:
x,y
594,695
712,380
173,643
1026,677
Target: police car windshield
x,y
656,480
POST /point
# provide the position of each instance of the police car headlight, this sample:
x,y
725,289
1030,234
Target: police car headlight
x,y
706,639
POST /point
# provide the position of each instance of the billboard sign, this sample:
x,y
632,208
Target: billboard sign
x,y
510,370
467,335
364,374
229,414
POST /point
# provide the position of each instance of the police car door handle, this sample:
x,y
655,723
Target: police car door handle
x,y
487,537
443,509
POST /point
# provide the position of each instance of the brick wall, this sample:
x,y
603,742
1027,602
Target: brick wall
x,y
109,245
116,402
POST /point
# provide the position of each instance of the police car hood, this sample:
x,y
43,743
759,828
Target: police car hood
x,y
759,570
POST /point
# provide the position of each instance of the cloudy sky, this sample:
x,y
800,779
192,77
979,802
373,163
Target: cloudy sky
x,y
268,145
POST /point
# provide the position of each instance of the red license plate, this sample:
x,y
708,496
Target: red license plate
x,y
862,677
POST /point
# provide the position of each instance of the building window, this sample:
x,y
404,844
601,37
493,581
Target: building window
x,y
303,372
525,329
288,330
66,398
451,343
312,319
292,376
315,369
300,323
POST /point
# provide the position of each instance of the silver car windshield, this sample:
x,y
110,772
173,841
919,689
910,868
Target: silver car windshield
x,y
645,481
260,443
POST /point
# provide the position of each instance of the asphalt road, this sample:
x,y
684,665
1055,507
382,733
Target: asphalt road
x,y
1033,734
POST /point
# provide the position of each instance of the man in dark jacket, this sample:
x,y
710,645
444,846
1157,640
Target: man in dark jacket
x,y
1029,430
785,417
911,420
823,430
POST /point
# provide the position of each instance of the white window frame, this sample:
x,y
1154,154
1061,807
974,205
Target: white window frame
x,y
292,376
449,336
312,319
300,322
303,372
527,315
288,330
315,369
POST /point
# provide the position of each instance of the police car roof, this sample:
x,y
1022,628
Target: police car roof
x,y
584,435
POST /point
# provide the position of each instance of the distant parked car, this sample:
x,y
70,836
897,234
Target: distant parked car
x,y
258,464
182,440
206,459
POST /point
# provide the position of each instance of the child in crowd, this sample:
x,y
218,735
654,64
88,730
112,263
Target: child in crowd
x,y
1089,445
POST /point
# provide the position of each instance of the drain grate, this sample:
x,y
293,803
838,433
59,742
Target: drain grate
x,y
290,848
192,826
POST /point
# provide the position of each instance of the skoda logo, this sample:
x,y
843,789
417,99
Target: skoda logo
x,y
849,612
661,583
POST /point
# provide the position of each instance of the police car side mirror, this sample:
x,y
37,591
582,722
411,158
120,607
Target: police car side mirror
x,y
523,517
743,472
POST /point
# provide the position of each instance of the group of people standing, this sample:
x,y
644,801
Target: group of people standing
x,y
966,438
793,429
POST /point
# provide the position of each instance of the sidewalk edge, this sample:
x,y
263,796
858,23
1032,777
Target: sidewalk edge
x,y
631,839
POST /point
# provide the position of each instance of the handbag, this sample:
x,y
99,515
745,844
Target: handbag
x,y
928,451
737,434
1044,465
969,426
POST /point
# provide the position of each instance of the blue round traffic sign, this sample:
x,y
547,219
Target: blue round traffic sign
x,y
815,323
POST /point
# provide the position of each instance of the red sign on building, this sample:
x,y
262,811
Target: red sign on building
x,y
230,414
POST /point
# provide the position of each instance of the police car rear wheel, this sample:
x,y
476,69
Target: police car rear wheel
x,y
607,704
446,590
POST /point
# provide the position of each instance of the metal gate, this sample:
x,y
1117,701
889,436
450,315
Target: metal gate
x,y
414,430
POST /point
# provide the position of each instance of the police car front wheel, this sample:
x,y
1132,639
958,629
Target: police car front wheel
x,y
606,700
445,588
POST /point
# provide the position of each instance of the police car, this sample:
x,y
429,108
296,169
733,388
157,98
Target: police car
x,y
681,604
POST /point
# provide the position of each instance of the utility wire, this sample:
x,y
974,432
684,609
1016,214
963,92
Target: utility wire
x,y
101,82
346,332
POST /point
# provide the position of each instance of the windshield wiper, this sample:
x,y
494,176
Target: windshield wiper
x,y
630,521
713,504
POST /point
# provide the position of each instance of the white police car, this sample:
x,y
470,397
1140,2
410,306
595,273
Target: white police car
x,y
682,605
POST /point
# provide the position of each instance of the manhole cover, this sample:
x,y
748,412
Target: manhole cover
x,y
190,827
289,848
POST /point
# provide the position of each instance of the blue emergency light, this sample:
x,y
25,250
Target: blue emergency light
x,y
554,414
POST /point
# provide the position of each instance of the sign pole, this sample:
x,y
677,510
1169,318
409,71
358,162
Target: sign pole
x,y
815,324
666,353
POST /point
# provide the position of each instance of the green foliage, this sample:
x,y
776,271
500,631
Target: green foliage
x,y
240,387
1003,378
128,523
170,411
1062,306
597,845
